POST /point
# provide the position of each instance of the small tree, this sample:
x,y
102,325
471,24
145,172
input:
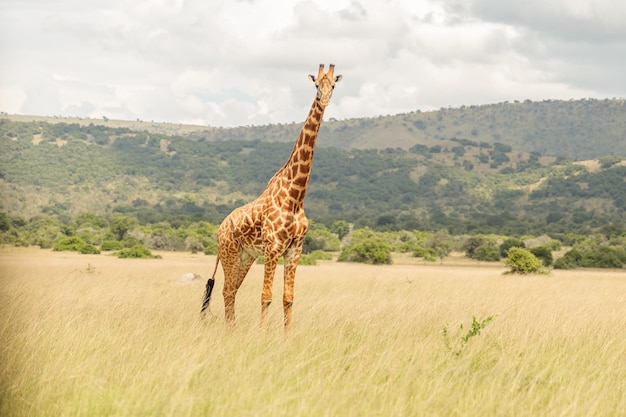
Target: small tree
x,y
508,244
522,261
70,243
367,246
137,251
341,228
75,244
487,252
544,254
120,225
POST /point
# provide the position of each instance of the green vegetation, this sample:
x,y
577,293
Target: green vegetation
x,y
522,261
313,257
462,338
137,251
465,186
483,248
76,244
368,247
477,179
595,252
89,233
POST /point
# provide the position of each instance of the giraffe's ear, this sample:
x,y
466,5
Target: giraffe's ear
x,y
338,78
312,77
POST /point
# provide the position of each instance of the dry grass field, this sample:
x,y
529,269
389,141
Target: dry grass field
x,y
84,335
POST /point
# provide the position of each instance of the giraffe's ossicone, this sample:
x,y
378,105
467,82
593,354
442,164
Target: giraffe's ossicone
x,y
274,224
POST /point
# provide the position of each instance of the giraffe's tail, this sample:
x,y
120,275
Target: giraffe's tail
x,y
209,288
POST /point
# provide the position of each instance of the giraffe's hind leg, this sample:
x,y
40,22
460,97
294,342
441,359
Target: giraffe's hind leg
x,y
237,271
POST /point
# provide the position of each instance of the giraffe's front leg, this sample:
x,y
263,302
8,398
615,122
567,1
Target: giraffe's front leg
x,y
292,257
271,260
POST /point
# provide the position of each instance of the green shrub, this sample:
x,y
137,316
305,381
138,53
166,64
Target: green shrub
x,y
606,257
368,247
543,253
137,251
312,258
429,254
471,244
522,261
111,245
487,252
210,247
367,252
321,255
320,239
89,249
570,260
69,243
590,254
74,244
564,263
508,244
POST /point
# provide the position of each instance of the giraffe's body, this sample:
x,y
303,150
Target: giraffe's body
x,y
274,224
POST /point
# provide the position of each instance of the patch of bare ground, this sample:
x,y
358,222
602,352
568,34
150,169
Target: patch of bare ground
x,y
592,165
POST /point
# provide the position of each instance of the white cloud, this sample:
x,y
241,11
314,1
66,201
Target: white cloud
x,y
245,62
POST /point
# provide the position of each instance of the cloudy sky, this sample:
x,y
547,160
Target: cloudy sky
x,y
232,63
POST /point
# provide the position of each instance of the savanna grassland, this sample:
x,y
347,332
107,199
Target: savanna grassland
x,y
96,335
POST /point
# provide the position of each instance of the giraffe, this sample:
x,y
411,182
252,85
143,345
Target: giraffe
x,y
274,224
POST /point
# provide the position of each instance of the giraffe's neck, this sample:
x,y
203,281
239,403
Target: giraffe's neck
x,y
297,170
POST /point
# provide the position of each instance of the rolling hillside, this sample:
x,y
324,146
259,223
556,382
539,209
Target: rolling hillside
x,y
461,183
577,129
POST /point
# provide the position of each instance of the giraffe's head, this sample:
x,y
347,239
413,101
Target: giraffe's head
x,y
325,83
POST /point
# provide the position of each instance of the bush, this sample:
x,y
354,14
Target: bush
x,y
508,244
320,239
471,244
312,258
111,245
74,244
564,263
70,243
608,257
369,252
589,254
137,251
543,253
210,247
522,261
429,254
320,255
367,247
487,253
89,249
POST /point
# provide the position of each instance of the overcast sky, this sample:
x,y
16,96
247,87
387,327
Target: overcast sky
x,y
232,63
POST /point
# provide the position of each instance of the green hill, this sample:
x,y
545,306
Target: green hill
x,y
474,169
575,129
583,129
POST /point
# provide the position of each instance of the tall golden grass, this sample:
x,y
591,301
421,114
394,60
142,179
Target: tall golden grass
x,y
84,335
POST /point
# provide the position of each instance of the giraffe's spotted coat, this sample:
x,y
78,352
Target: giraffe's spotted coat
x,y
274,224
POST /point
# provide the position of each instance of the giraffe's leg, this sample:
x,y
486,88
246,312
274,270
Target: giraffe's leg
x,y
271,260
229,292
230,254
292,257
232,281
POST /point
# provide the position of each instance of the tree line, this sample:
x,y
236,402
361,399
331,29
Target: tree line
x,y
124,235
